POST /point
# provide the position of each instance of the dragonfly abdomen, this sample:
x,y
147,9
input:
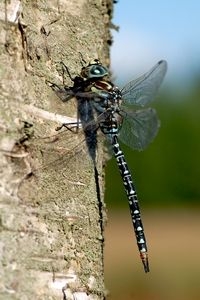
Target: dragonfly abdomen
x,y
133,201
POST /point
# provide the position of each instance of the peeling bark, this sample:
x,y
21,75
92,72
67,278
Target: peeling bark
x,y
50,239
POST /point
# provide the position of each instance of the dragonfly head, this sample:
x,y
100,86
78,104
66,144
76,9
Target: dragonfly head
x,y
95,70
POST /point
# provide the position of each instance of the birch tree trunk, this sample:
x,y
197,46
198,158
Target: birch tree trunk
x,y
50,240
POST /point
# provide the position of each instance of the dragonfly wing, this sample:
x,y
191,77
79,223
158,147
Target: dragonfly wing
x,y
65,93
141,91
139,128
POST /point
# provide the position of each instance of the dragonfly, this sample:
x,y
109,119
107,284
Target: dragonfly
x,y
121,114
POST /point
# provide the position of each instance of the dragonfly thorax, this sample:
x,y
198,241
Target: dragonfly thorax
x,y
108,96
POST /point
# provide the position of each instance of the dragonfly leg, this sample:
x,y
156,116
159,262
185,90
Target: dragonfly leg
x,y
70,126
65,69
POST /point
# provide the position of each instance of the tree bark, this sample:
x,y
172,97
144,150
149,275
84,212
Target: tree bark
x,y
50,240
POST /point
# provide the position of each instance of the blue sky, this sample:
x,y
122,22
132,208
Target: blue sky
x,y
154,30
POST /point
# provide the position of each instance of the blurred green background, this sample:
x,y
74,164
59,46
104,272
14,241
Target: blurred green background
x,y
167,172
167,178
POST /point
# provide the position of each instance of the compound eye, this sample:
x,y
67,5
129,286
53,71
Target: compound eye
x,y
97,71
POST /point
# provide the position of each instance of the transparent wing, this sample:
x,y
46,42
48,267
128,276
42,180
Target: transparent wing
x,y
139,128
65,93
141,91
